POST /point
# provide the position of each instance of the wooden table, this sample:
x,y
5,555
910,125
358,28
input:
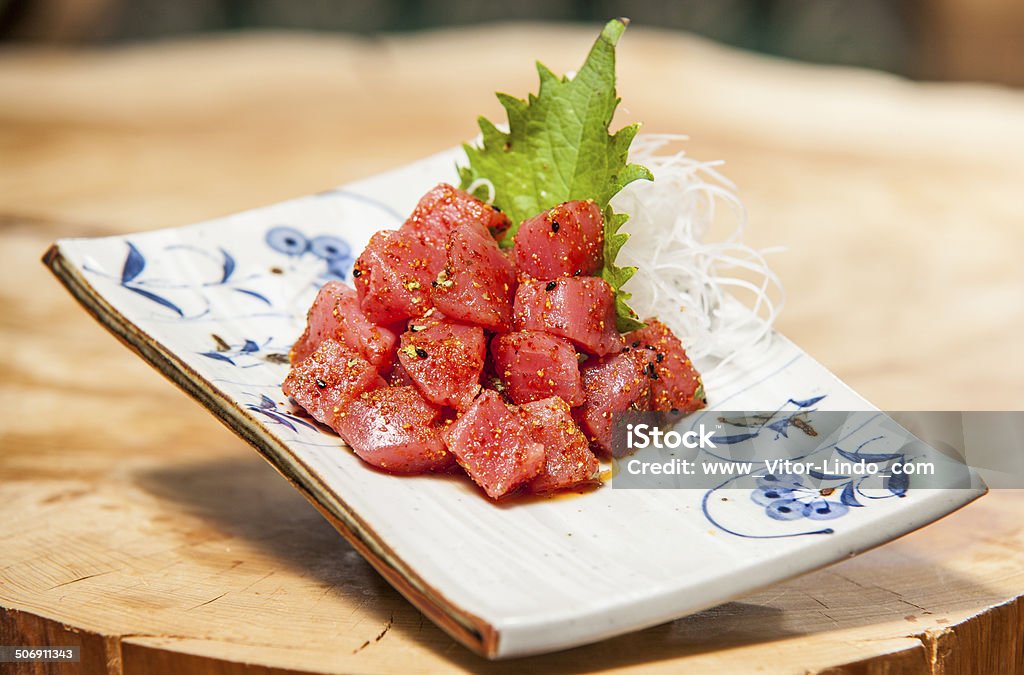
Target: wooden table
x,y
132,524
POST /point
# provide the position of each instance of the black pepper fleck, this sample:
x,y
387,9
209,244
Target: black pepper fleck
x,y
551,286
555,226
421,352
320,383
357,273
636,344
660,357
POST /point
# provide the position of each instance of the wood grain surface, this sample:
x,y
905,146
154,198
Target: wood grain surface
x,y
133,524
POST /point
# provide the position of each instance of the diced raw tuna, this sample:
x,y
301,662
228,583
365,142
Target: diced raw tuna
x,y
565,241
612,385
329,378
432,317
445,361
477,282
394,429
491,442
568,460
535,365
676,388
581,309
393,275
444,208
398,377
336,314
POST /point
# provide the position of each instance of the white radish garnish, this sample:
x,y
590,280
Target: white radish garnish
x,y
719,295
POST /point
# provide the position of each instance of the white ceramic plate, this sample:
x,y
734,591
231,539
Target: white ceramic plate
x,y
215,307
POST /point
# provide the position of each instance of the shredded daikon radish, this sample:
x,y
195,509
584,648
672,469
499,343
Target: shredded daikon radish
x,y
720,297
482,183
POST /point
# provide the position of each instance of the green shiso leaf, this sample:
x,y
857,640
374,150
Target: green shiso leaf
x,y
558,148
625,318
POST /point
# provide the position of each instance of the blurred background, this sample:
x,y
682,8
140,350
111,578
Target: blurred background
x,y
898,200
980,40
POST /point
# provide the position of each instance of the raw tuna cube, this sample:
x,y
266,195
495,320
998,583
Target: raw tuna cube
x,y
568,460
444,208
581,309
535,365
393,275
445,361
394,429
676,387
335,314
432,317
398,377
612,385
329,378
493,445
477,282
567,240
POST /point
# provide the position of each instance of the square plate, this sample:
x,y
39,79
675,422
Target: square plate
x,y
216,305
